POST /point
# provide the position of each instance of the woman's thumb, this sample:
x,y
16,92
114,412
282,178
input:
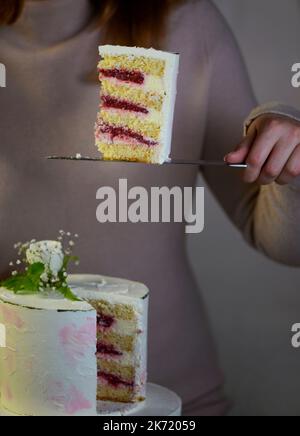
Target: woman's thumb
x,y
240,154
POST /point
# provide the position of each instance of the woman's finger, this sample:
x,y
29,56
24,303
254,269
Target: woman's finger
x,y
259,153
291,169
275,163
242,150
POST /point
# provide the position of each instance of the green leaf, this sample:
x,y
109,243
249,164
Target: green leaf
x,y
36,269
28,282
67,293
13,283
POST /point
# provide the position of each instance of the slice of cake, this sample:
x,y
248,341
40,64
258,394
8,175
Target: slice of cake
x,y
122,311
138,92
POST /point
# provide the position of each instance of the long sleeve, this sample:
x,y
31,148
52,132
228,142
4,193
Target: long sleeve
x,y
268,216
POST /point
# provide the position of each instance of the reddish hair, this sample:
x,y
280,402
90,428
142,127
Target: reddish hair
x,y
134,22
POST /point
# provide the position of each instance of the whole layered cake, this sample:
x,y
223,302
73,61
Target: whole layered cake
x,y
68,341
138,93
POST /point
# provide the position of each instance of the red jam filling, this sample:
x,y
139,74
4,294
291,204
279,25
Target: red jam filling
x,y
104,321
115,380
122,131
111,102
124,75
107,349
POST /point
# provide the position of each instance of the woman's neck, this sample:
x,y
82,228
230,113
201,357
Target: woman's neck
x,y
49,22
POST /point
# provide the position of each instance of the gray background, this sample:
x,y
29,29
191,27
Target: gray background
x,y
253,302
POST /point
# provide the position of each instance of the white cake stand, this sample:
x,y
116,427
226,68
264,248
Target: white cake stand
x,y
160,402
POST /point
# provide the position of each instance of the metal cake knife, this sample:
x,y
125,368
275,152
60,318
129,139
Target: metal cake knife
x,y
203,163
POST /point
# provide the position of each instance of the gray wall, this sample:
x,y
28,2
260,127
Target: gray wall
x,y
252,302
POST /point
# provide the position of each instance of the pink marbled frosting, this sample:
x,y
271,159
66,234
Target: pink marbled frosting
x,y
6,392
76,341
69,398
11,317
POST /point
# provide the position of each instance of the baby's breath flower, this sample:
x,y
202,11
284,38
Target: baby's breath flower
x,y
51,254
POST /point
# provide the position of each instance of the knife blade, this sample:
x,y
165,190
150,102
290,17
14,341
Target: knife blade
x,y
200,163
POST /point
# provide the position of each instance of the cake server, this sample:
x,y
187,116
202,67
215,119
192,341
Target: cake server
x,y
200,163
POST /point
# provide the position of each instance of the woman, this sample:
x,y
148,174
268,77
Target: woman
x,y
49,48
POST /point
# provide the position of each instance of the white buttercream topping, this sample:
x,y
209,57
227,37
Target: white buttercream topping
x,y
45,301
91,287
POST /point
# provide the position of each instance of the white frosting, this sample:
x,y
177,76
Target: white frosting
x,y
109,408
168,84
154,83
50,253
89,287
120,326
126,359
170,79
48,365
47,301
152,116
119,50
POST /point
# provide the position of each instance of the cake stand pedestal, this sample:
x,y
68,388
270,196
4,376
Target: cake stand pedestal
x,y
160,402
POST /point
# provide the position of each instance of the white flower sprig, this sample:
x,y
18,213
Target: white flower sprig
x,y
44,265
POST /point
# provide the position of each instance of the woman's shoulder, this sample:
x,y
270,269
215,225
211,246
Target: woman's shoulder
x,y
201,23
204,12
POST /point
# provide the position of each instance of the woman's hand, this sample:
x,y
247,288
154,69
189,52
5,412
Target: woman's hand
x,y
271,149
